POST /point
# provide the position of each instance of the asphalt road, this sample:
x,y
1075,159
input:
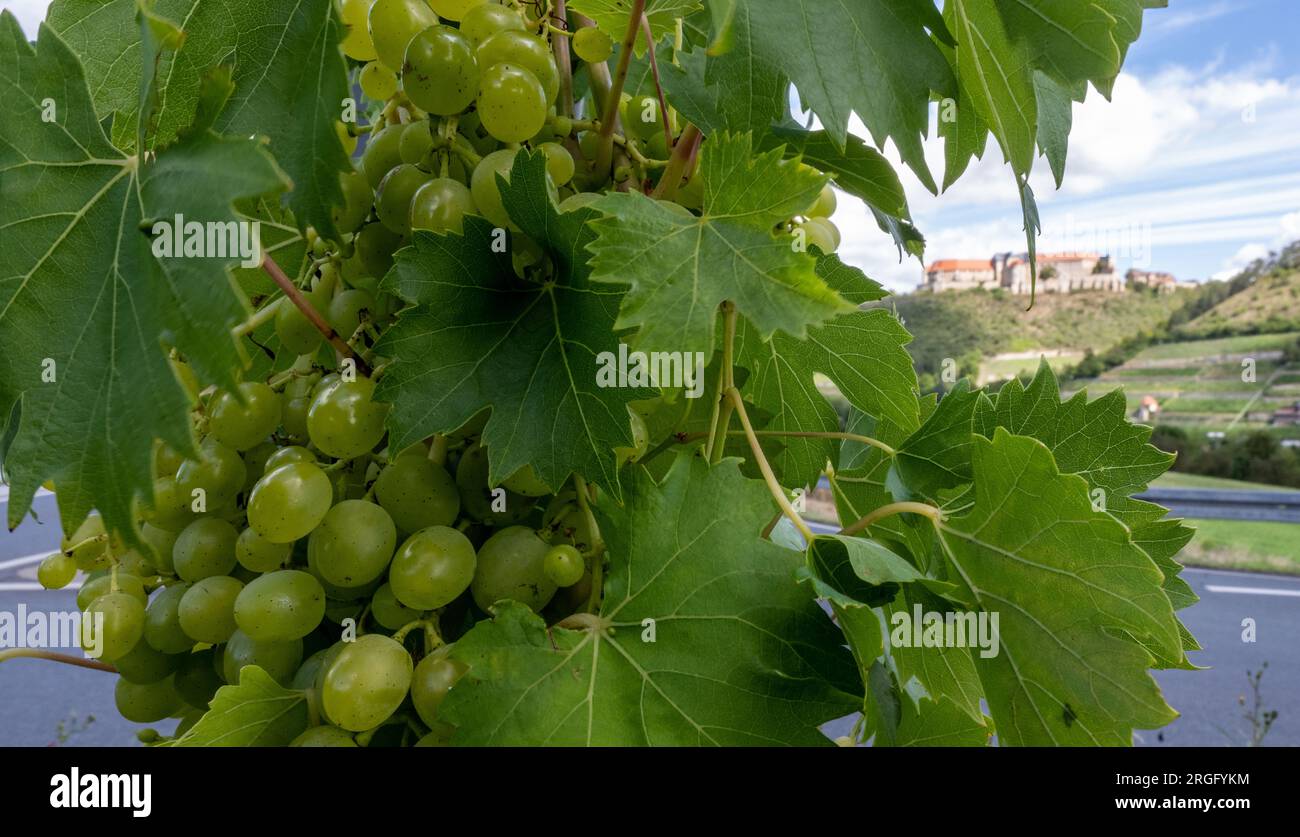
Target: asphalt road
x,y
37,697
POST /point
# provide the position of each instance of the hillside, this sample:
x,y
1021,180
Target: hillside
x,y
973,326
1270,304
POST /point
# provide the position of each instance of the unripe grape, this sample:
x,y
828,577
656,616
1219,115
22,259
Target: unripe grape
x,y
820,233
641,117
388,611
207,609
91,542
346,310
99,585
511,102
476,496
824,207
324,736
366,682
345,421
146,703
289,502
432,568
280,606
162,627
383,153
592,45
197,680
357,200
160,542
441,73
289,454
56,571
432,679
441,206
416,141
393,23
256,554
559,162
523,50
375,246
356,42
526,482
243,426
279,659
353,544
377,81
483,185
219,472
393,200
205,548
486,19
417,494
145,664
511,565
564,565
111,625
454,9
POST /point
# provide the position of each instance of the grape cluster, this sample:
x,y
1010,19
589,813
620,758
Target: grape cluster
x,y
295,520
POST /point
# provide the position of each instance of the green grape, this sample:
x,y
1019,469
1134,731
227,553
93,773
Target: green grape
x,y
146,703
511,102
511,565
353,544
656,148
440,74
417,494
525,482
471,128
366,682
57,569
376,245
170,509
197,680
356,43
280,606
205,548
166,460
825,205
383,153
815,235
486,19
388,611
279,659
431,568
344,314
589,145
287,455
187,379
324,736
377,81
161,542
439,736
207,610
568,523
393,200
111,626
441,206
289,502
305,677
346,138
133,562
144,664
293,416
393,23
256,554
91,542
432,679
99,585
483,185
344,420
219,473
641,116
579,201
354,272
640,440
162,622
477,498
521,49
453,9
297,333
564,565
255,458
691,193
592,45
416,141
357,199
559,162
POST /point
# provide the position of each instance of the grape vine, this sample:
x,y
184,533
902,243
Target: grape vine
x,y
399,365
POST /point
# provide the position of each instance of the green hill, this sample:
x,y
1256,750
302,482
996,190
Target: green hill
x,y
1270,304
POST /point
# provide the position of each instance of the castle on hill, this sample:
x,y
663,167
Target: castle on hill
x,y
1058,273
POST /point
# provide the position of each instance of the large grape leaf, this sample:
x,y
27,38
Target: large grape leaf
x,y
740,653
726,92
1081,608
872,57
85,308
290,80
864,353
678,267
611,16
256,713
479,337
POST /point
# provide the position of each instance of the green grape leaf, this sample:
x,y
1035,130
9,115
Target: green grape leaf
x,y
1031,542
863,353
937,455
740,653
612,17
872,57
731,92
1055,115
947,673
940,723
478,336
86,309
290,80
257,713
964,134
678,267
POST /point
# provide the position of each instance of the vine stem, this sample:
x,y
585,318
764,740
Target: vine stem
x,y
563,61
313,316
68,659
688,144
905,507
260,318
597,548
733,395
605,156
659,88
685,438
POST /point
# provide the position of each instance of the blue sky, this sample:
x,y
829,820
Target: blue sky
x,y
1194,167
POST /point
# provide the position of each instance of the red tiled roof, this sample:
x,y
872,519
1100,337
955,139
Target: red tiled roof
x,y
1066,257
959,264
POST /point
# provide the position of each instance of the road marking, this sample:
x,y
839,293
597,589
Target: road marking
x,y
20,585
23,561
1258,591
